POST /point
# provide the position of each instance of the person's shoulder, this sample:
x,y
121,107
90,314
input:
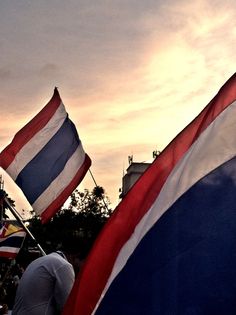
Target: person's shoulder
x,y
47,259
57,257
58,263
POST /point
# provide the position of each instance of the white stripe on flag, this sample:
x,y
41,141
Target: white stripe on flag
x,y
6,249
37,142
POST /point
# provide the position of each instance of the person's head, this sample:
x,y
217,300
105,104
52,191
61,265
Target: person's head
x,y
74,251
75,260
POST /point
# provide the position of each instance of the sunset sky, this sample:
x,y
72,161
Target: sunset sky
x,y
132,74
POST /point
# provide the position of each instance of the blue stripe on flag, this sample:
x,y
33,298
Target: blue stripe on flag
x,y
12,241
49,162
186,262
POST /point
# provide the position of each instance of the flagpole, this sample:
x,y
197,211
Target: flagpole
x,y
1,201
97,186
19,220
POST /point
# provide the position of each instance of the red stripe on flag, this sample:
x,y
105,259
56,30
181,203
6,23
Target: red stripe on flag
x,y
29,130
11,255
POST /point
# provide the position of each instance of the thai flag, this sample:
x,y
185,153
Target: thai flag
x,y
11,240
46,159
170,246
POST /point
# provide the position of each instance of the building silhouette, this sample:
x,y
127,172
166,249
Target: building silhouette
x,y
133,172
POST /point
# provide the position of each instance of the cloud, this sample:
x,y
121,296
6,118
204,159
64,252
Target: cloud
x,y
132,74
5,73
49,70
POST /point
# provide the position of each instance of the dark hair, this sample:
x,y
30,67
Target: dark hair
x,y
74,246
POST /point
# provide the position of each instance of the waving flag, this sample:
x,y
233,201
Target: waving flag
x,y
11,240
46,159
169,247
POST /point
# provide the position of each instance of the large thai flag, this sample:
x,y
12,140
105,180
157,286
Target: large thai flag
x,y
46,159
170,246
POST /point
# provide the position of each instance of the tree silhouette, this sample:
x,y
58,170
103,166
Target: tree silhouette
x,y
76,225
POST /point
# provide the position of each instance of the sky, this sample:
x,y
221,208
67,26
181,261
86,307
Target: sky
x,y
131,73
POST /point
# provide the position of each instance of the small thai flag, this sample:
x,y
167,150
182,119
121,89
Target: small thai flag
x,y
11,240
46,159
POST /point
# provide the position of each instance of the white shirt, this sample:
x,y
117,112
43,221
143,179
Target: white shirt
x,y
44,286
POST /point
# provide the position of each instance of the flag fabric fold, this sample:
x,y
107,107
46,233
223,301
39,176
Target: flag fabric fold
x,y
11,240
169,247
46,159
